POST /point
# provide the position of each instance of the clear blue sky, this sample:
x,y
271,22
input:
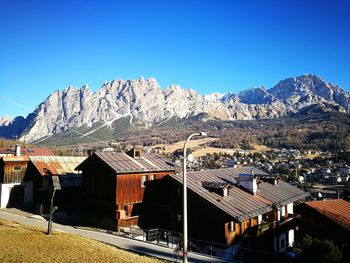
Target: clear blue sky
x,y
216,45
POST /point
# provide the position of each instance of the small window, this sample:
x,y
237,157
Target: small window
x,y
151,177
178,217
231,226
143,180
17,168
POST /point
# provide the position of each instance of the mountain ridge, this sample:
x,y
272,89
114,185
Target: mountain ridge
x,y
144,100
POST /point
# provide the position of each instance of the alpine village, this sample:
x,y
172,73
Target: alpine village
x,y
200,196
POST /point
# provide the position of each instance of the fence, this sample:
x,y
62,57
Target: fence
x,y
174,240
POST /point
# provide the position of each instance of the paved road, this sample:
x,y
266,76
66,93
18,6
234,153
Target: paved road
x,y
121,242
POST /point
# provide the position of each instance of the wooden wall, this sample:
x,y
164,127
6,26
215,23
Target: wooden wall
x,y
98,184
130,193
129,189
9,174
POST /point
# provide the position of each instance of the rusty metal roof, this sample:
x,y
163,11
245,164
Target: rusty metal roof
x,y
337,210
56,165
239,203
123,163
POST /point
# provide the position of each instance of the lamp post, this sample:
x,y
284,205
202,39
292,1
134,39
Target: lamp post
x,y
185,243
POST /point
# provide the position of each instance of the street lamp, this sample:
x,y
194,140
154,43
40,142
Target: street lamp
x,y
185,247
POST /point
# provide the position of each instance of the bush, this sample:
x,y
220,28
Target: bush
x,y
322,251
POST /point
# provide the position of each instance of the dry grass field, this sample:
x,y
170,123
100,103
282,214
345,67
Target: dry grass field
x,y
200,149
26,244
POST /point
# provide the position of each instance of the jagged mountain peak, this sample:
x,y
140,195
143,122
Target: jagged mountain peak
x,y
256,96
310,89
215,96
143,101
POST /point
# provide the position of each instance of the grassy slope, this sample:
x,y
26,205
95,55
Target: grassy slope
x,y
26,244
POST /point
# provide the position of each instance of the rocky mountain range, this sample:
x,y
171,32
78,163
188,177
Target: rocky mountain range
x,y
142,103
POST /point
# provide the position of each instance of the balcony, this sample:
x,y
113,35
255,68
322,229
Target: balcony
x,y
282,223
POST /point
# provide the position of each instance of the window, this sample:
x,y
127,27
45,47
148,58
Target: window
x,y
143,180
151,177
178,217
17,168
231,226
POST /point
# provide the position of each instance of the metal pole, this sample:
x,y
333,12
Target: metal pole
x,y
185,243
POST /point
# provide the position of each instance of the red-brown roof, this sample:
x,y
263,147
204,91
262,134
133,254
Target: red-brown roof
x,y
28,151
37,152
337,210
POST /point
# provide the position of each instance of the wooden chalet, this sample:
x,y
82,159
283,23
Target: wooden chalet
x,y
41,168
113,185
223,206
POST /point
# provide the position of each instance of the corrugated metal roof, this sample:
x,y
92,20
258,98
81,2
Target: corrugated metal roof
x,y
123,163
240,204
337,210
280,194
37,152
28,151
56,165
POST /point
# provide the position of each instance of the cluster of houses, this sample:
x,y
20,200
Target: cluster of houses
x,y
111,190
290,162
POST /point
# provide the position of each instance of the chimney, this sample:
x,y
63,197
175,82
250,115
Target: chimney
x,y
135,152
248,182
17,150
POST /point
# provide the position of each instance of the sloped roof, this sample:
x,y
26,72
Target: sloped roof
x,y
28,151
337,210
123,163
56,165
241,204
37,152
281,194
